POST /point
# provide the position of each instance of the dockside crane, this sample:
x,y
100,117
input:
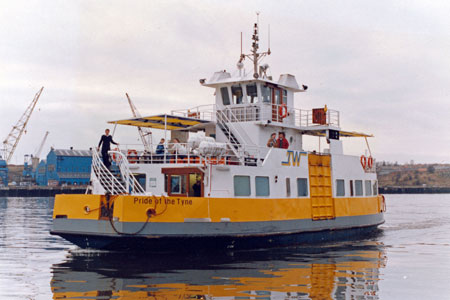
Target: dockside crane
x,y
37,154
13,138
142,132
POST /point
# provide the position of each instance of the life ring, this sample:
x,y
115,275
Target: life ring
x,y
370,162
282,108
363,161
132,156
115,158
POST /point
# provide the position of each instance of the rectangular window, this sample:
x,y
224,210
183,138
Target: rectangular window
x,y
340,187
241,185
225,96
266,93
252,93
236,92
288,187
375,187
284,97
351,188
358,188
302,187
178,184
262,186
368,187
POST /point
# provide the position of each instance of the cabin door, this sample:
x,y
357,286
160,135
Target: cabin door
x,y
183,182
277,100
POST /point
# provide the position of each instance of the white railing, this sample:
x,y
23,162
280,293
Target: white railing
x,y
202,112
261,112
107,180
131,184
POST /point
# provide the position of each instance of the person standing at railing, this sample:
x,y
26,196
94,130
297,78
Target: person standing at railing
x,y
105,142
178,149
282,142
160,149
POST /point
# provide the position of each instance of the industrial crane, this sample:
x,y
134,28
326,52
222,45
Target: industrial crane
x,y
142,132
11,141
37,154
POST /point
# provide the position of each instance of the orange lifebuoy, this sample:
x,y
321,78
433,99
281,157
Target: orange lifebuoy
x,y
282,108
363,161
370,162
132,156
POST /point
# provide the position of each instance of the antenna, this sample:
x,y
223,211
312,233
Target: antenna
x,y
241,43
268,51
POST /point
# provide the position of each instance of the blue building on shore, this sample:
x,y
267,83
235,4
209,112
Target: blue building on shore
x,y
3,173
65,166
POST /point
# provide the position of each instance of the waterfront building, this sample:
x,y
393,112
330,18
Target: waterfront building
x,y
3,173
68,166
40,173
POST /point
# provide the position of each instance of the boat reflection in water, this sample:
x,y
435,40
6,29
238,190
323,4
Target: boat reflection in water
x,y
339,271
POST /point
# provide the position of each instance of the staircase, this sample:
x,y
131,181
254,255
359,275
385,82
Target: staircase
x,y
118,180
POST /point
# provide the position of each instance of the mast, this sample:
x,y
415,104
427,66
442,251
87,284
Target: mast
x,y
255,57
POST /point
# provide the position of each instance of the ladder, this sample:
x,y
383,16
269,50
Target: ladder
x,y
322,202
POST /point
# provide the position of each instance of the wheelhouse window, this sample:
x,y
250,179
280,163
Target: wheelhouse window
x,y
241,185
252,93
340,187
236,92
225,96
262,186
141,178
266,94
358,188
284,97
302,187
368,187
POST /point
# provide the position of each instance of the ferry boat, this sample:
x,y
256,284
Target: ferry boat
x,y
224,180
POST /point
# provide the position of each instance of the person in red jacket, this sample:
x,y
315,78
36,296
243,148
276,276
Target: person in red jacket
x,y
282,142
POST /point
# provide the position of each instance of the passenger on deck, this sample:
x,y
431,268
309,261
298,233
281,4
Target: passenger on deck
x,y
160,149
105,142
282,142
272,142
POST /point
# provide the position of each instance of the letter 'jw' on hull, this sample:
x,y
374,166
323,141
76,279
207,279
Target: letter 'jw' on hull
x,y
235,174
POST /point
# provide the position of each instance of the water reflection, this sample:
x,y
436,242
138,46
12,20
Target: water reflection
x,y
340,271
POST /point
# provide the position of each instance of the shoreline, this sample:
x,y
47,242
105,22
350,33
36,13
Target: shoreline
x,y
40,191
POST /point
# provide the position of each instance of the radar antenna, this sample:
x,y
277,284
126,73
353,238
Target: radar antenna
x,y
255,57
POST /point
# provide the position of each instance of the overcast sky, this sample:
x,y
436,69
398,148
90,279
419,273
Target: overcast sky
x,y
385,65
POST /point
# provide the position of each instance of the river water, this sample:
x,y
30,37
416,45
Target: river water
x,y
408,259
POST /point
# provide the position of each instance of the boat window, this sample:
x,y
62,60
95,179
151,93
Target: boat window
x,y
178,184
358,188
368,187
262,186
375,187
278,96
225,96
340,187
288,187
284,96
302,187
252,93
236,92
351,188
241,185
266,94
141,179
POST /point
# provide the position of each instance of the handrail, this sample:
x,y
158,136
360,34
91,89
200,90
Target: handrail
x,y
131,184
106,179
